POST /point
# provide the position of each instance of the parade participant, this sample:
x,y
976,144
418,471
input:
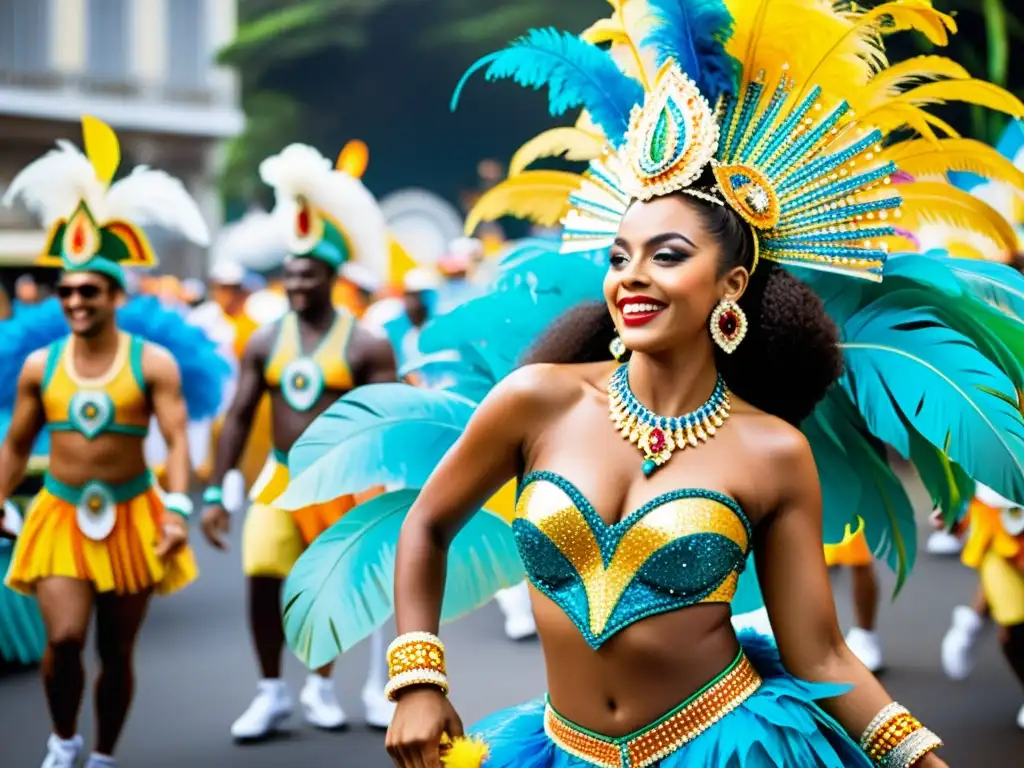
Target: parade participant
x,y
700,213
100,537
862,638
420,288
995,548
305,361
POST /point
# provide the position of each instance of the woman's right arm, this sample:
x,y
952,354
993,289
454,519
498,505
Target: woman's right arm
x,y
486,457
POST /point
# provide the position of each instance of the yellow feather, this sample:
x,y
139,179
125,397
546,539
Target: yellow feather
x,y
353,159
101,147
895,115
820,46
464,752
574,143
922,159
540,196
918,15
942,125
926,202
970,91
892,81
605,31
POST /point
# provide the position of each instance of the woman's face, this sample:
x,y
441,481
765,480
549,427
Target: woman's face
x,y
664,281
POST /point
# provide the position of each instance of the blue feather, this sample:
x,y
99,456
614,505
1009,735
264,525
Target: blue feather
x,y
464,372
694,34
341,588
906,366
203,370
576,72
377,435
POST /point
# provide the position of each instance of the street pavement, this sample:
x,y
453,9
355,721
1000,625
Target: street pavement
x,y
196,674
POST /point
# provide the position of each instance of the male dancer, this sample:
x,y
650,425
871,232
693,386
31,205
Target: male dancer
x,y
100,537
306,361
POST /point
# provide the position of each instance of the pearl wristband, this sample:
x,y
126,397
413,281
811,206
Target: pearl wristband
x,y
415,658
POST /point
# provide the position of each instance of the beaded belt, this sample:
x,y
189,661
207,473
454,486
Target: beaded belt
x,y
665,736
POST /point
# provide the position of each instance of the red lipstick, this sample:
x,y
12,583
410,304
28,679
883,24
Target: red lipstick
x,y
639,310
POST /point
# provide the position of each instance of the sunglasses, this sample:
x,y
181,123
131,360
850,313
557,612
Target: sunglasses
x,y
86,291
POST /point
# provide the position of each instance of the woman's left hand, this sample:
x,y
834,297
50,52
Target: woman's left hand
x,y
174,538
931,760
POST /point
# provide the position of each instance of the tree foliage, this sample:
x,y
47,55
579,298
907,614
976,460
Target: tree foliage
x,y
325,71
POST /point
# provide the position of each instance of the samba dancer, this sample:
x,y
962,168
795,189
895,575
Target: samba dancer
x,y
101,537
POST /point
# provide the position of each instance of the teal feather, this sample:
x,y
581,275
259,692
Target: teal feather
x,y
948,485
694,34
463,372
858,482
341,588
907,364
377,435
577,74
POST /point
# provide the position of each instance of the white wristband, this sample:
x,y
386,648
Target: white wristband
x,y
179,503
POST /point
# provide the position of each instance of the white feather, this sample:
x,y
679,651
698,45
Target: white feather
x,y
147,196
53,186
301,171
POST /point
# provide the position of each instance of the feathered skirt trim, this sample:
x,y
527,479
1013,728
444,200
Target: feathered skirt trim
x,y
779,726
124,562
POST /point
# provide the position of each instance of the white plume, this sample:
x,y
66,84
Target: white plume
x,y
53,186
147,196
300,170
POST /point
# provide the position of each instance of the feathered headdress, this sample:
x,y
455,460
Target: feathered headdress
x,y
325,210
94,225
793,105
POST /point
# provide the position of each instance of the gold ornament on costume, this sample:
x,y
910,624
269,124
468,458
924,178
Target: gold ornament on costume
x,y
81,237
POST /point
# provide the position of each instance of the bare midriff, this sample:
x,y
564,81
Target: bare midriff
x,y
640,673
111,458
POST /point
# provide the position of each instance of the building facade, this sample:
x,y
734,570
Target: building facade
x,y
147,68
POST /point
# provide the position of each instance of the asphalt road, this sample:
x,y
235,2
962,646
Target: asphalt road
x,y
196,674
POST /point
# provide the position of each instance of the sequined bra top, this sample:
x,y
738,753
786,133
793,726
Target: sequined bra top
x,y
679,549
115,402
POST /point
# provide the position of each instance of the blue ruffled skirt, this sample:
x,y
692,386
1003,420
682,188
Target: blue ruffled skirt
x,y
779,726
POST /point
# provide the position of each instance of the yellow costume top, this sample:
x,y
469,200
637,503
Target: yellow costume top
x,y
301,377
114,402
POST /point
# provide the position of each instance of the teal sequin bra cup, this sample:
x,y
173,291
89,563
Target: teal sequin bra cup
x,y
679,549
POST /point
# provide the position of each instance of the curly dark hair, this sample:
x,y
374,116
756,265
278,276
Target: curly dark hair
x,y
789,357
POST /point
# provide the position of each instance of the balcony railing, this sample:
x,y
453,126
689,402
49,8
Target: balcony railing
x,y
163,93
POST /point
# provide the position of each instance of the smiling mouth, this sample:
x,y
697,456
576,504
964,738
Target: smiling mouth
x,y
636,313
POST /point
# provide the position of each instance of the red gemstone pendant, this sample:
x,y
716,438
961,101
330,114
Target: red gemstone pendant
x,y
656,441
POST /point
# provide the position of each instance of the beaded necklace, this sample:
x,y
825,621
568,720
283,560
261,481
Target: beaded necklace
x,y
659,436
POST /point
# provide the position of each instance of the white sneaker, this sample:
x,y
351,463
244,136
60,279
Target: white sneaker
x,y
271,707
101,761
320,704
379,710
943,543
514,603
867,647
1020,719
61,753
958,643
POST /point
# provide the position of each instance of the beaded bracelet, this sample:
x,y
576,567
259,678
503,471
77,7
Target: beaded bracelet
x,y
179,503
896,739
214,494
415,658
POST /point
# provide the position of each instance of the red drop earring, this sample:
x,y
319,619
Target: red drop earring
x,y
728,325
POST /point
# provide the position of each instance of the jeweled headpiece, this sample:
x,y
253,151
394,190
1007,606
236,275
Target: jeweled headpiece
x,y
804,141
95,225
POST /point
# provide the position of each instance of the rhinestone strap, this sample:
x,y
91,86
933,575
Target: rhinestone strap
x,y
655,743
912,749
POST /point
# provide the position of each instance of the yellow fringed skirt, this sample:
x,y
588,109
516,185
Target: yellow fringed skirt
x,y
273,538
124,562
